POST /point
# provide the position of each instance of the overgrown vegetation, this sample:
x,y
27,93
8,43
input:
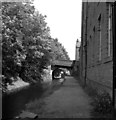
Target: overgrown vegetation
x,y
102,105
101,101
27,46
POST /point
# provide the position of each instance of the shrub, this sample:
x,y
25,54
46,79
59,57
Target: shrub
x,y
102,103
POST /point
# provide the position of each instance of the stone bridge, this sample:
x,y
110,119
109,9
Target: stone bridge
x,y
66,64
70,65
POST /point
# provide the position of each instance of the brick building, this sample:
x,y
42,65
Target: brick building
x,y
96,53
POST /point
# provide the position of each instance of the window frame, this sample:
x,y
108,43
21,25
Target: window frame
x,y
109,29
100,36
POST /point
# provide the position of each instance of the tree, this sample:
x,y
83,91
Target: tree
x,y
58,50
24,41
27,46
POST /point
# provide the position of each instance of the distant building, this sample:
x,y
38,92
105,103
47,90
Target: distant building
x,y
77,57
96,53
77,50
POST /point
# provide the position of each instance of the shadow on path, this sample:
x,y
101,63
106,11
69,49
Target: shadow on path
x,y
67,101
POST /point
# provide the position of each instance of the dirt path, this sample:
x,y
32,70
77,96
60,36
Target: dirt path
x,y
69,101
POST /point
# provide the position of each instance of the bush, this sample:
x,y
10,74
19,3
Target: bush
x,y
102,103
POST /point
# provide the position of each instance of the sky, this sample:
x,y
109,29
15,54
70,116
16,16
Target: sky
x,y
64,20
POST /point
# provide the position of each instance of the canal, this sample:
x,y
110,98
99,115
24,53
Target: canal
x,y
14,103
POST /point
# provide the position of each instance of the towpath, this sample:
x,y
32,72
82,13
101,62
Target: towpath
x,y
69,101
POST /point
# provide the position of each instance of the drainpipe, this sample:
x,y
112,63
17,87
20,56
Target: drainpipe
x,y
86,43
81,50
114,56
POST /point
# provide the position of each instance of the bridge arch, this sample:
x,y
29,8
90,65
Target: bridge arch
x,y
62,65
56,71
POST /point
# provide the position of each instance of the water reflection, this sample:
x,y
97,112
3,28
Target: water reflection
x,y
14,103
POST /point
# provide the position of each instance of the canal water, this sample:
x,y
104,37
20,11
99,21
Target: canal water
x,y
14,103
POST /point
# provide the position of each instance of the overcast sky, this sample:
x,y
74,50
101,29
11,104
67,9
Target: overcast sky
x,y
64,20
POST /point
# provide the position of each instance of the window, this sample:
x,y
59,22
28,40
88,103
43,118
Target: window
x,y
99,30
109,29
93,54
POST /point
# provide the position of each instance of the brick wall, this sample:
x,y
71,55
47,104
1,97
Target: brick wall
x,y
99,69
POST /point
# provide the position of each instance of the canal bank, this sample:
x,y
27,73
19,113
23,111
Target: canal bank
x,y
16,85
67,100
38,104
13,103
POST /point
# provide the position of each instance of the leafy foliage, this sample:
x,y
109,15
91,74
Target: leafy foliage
x,y
24,32
59,52
103,103
27,46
